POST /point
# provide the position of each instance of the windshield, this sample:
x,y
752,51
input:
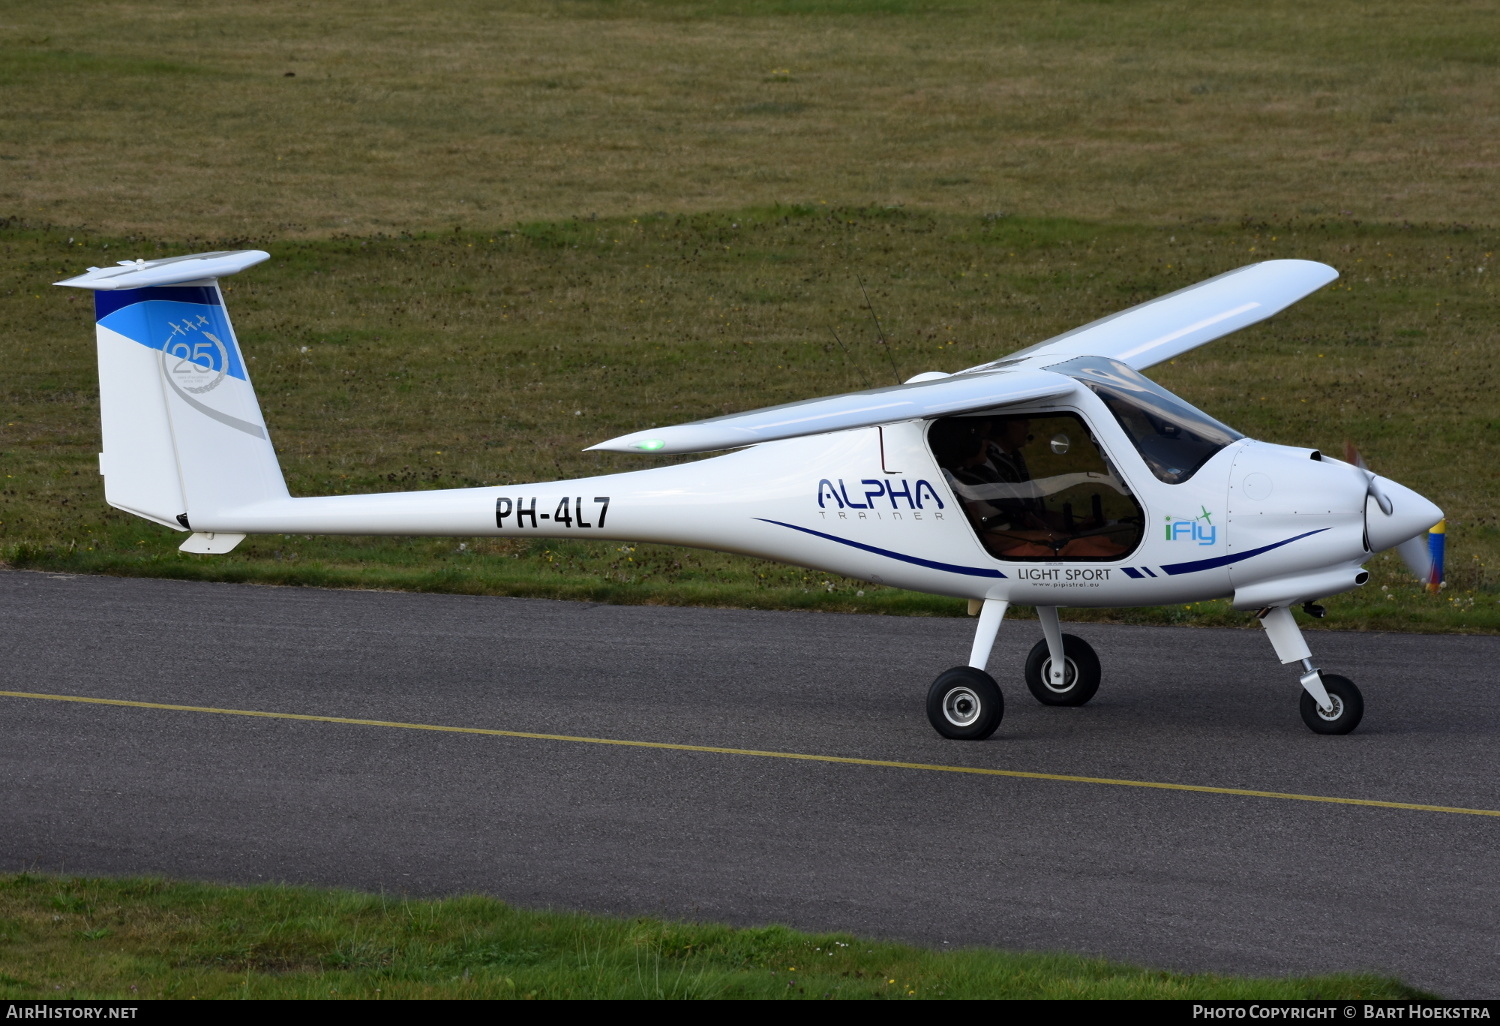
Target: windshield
x,y
1172,437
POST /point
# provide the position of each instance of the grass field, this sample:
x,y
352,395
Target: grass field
x,y
146,939
215,119
502,234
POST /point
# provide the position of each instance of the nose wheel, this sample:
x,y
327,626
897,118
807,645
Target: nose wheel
x,y
965,704
1346,707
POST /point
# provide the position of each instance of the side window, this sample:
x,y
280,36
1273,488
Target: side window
x,y
1037,487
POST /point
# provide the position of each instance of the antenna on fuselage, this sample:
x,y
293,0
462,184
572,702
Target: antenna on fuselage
x,y
847,361
879,331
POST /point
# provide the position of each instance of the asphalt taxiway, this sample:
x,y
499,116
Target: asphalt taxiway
x,y
529,803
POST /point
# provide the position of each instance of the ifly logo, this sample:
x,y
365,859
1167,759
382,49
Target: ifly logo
x,y
1200,529
872,489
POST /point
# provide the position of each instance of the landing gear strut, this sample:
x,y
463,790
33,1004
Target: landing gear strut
x,y
1077,682
1061,669
1330,704
965,703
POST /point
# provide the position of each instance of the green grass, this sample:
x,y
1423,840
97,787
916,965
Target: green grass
x,y
221,119
146,939
463,359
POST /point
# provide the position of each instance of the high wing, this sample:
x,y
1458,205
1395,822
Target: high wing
x,y
946,395
1139,337
1170,325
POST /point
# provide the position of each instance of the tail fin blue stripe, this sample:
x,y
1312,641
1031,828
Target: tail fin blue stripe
x,y
106,303
192,331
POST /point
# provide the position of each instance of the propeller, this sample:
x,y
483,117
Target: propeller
x,y
1416,553
1423,552
1351,455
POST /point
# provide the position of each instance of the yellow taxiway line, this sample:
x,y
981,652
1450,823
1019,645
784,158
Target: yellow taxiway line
x,y
834,759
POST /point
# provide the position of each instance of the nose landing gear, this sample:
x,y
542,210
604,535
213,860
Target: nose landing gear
x,y
1330,704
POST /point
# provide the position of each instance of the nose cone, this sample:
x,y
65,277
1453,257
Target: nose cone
x,y
1411,514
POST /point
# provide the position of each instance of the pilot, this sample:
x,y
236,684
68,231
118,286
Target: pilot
x,y
1005,437
983,461
1022,527
1007,523
959,448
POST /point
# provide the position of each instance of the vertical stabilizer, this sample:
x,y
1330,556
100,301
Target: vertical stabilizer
x,y
183,432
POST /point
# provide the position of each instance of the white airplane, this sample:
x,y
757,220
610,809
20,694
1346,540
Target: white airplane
x,y
1056,476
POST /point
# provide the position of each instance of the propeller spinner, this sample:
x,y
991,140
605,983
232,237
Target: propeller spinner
x,y
1406,521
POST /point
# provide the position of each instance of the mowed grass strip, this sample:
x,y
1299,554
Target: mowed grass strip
x,y
98,938
464,358
224,119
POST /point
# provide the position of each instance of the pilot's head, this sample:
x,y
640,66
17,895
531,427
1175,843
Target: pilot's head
x,y
956,443
1011,433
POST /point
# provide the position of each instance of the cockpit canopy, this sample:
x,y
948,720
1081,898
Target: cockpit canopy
x,y
1172,437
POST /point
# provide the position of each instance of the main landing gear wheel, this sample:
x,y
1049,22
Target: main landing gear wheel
x,y
965,704
1348,707
1080,674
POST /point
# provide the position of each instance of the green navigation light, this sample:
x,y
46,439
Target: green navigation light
x,y
650,446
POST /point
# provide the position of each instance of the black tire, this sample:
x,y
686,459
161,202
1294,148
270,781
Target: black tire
x,y
1080,678
1348,707
965,704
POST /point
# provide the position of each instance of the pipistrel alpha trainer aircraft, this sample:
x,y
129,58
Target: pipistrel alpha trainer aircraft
x,y
1055,476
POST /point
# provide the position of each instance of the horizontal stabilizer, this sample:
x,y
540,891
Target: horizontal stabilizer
x,y
139,274
1170,325
942,397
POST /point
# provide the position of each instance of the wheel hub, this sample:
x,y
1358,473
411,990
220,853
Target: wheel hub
x,y
1335,708
961,707
1070,676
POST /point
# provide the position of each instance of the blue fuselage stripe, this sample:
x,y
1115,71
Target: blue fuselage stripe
x,y
1173,569
1211,564
931,564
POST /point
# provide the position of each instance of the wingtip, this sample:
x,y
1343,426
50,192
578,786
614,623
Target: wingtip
x,y
1315,267
614,445
640,444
